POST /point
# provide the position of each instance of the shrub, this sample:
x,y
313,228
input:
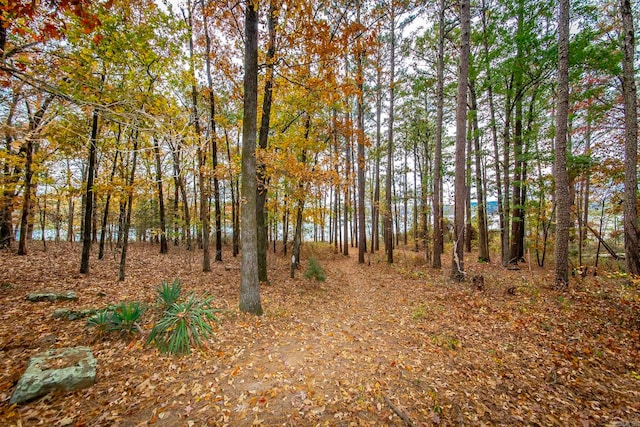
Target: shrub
x,y
125,317
315,270
168,294
183,325
102,323
121,318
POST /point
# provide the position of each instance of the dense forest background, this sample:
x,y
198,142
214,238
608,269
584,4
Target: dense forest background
x,y
503,125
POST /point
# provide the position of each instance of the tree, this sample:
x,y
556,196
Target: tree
x,y
457,262
213,137
249,285
437,156
362,234
262,142
561,176
388,223
631,225
88,210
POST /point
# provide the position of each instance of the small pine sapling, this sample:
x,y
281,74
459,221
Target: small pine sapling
x,y
315,270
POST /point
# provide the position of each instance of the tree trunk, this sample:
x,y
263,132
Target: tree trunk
x,y
88,208
347,176
105,214
10,178
214,139
494,130
483,233
24,218
561,178
297,236
163,226
249,285
34,123
438,240
261,213
201,153
127,219
457,264
234,207
631,226
388,224
362,232
375,205
468,226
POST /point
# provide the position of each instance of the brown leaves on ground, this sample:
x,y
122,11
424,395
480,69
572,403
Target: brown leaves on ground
x,y
371,344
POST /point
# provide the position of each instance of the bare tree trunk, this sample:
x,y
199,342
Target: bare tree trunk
x,y
483,233
375,205
249,285
262,142
438,240
234,208
562,182
127,219
494,130
34,123
631,225
362,235
9,179
457,264
202,182
88,209
468,226
347,173
213,137
163,226
297,236
24,217
388,222
105,214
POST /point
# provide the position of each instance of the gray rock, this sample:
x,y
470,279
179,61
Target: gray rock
x,y
67,314
65,369
52,296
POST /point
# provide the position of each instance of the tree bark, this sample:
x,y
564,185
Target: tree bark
x,y
105,214
249,285
561,178
457,264
88,209
261,214
214,139
388,224
127,218
201,153
163,226
631,226
34,124
438,240
483,233
494,130
362,232
375,205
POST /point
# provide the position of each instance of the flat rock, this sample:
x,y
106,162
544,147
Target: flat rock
x,y
52,296
67,314
65,369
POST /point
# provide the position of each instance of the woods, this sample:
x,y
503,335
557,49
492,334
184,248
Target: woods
x,y
459,179
169,79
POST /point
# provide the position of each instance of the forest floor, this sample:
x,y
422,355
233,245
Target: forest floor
x,y
370,343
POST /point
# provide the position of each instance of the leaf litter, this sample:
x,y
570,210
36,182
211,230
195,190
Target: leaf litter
x,y
374,344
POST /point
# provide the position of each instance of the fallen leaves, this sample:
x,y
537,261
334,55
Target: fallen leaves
x,y
443,353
